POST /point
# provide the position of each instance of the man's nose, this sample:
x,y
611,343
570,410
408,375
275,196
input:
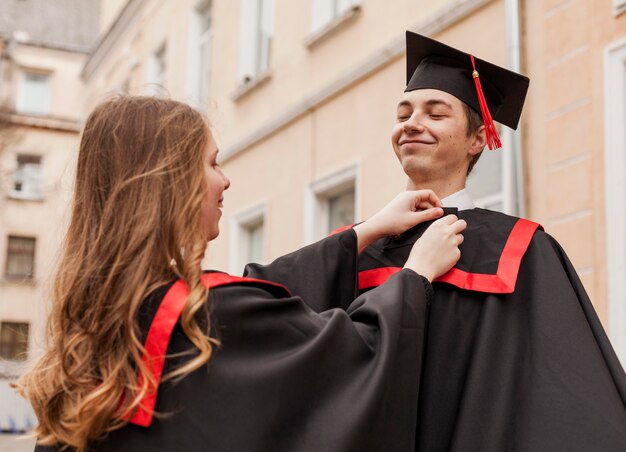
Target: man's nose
x,y
413,125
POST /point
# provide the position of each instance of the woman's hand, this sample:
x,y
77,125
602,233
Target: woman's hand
x,y
437,250
406,210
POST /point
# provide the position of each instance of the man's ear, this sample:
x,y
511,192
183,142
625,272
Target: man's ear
x,y
479,141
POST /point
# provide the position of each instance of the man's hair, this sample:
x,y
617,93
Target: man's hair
x,y
474,121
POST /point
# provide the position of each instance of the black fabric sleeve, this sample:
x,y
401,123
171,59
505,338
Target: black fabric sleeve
x,y
288,379
324,274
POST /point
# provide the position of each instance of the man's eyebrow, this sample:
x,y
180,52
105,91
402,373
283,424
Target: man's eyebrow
x,y
428,103
404,103
434,102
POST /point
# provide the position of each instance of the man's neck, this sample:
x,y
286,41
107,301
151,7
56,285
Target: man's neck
x,y
442,189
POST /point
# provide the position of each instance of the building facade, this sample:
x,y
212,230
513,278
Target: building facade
x,y
41,111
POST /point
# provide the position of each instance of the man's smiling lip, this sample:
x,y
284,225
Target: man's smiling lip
x,y
415,142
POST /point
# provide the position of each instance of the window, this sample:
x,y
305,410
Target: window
x,y
13,341
485,182
326,11
254,237
27,177
615,191
257,17
493,183
331,203
34,94
20,257
198,72
341,209
247,238
157,71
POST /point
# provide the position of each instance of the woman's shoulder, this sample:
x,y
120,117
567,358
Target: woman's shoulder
x,y
216,279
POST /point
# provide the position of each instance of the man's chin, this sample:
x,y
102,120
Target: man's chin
x,y
414,169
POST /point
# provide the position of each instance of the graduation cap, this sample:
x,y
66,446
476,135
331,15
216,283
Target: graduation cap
x,y
494,92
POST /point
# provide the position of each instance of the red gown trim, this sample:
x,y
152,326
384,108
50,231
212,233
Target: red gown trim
x,y
341,229
502,282
161,330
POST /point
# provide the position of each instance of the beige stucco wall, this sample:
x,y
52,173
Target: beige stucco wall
x,y
565,45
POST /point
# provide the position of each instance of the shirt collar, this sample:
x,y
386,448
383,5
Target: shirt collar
x,y
461,200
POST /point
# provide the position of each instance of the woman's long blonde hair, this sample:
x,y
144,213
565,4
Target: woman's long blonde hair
x,y
136,223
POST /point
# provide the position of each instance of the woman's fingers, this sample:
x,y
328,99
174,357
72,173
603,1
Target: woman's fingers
x,y
428,214
425,197
448,219
425,205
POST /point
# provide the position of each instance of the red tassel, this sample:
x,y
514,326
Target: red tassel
x,y
493,139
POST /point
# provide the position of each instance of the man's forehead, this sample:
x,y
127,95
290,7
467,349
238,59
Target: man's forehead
x,y
428,96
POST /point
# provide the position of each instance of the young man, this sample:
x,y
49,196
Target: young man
x,y
514,358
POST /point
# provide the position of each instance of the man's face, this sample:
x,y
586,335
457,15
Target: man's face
x,y
430,136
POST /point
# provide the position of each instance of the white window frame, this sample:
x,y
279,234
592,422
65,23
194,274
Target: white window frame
x,y
199,49
20,104
29,191
257,17
318,193
239,236
615,190
326,12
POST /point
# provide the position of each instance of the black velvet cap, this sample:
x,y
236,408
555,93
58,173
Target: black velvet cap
x,y
431,64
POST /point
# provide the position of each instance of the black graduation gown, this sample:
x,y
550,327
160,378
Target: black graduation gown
x,y
288,379
515,357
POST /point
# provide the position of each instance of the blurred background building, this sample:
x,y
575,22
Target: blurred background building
x,y
43,47
302,95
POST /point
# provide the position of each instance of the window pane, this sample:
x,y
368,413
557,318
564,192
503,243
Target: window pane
x,y
27,177
34,94
255,243
323,12
203,55
157,71
264,42
343,5
13,340
485,180
20,257
341,210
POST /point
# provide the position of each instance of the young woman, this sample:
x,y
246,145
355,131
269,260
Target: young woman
x,y
148,352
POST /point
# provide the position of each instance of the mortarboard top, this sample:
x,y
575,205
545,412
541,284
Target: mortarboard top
x,y
431,64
